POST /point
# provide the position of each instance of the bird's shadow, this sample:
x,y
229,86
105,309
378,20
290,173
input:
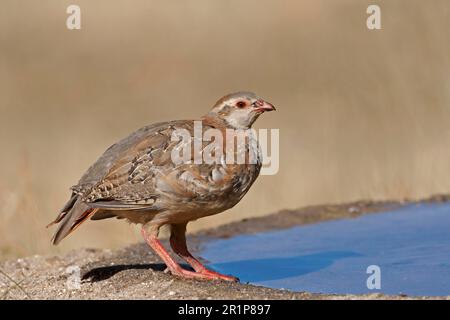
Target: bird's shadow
x,y
103,273
106,272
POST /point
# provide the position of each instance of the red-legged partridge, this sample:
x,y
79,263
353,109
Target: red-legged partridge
x,y
138,179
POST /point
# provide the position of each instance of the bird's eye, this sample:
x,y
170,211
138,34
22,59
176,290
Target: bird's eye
x,y
241,104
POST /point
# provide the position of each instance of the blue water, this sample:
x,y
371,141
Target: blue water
x,y
411,245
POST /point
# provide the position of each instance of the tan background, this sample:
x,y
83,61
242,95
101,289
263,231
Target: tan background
x,y
362,114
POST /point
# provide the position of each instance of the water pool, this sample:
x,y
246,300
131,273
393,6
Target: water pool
x,y
410,245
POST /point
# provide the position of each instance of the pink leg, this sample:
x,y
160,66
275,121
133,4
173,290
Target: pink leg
x,y
172,265
178,244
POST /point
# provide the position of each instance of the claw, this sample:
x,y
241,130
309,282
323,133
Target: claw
x,y
203,275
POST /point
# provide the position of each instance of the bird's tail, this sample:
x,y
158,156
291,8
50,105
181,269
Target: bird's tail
x,y
71,216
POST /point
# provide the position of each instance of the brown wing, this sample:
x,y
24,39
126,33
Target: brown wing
x,y
112,176
130,179
118,153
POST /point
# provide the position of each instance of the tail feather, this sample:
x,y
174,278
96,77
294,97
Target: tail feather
x,y
64,210
71,219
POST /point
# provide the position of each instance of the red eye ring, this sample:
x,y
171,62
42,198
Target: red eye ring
x,y
241,104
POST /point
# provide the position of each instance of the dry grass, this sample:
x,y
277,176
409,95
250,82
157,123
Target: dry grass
x,y
362,114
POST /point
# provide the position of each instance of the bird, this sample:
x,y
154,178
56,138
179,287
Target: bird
x,y
138,180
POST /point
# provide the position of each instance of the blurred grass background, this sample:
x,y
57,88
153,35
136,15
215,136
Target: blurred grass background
x,y
362,114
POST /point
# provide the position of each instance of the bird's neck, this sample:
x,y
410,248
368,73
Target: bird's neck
x,y
216,121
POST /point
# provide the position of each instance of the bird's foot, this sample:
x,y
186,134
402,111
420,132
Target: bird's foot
x,y
217,275
201,275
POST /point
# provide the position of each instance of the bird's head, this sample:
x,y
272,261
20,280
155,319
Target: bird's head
x,y
240,110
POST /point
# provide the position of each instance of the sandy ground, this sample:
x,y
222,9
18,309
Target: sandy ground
x,y
134,272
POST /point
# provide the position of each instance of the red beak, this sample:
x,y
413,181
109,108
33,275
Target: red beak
x,y
264,106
